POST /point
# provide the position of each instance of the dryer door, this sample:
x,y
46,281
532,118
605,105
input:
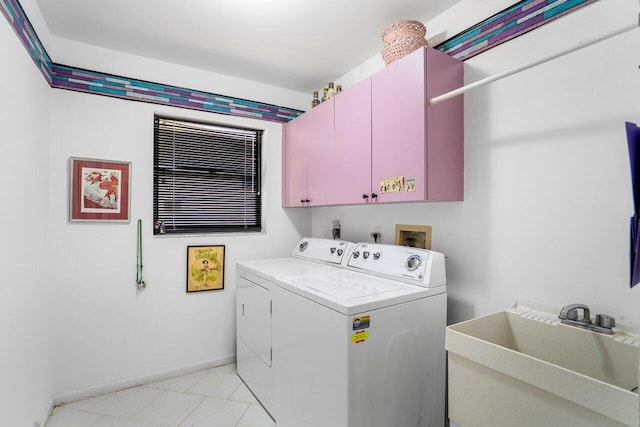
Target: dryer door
x,y
254,319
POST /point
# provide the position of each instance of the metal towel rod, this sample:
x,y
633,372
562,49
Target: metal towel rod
x,y
437,99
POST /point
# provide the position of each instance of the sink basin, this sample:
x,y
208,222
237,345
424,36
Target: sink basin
x,y
522,367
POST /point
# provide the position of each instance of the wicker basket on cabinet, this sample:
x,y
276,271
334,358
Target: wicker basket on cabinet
x,y
401,38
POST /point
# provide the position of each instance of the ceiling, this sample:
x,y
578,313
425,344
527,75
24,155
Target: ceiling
x,y
293,44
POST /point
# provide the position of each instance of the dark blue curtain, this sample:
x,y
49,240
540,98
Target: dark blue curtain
x,y
633,139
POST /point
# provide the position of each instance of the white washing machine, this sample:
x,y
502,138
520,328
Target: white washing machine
x,y
363,346
359,343
255,283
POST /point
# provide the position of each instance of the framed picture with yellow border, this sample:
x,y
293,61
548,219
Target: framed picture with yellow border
x,y
417,236
205,268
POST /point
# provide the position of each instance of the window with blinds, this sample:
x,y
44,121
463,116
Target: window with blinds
x,y
206,177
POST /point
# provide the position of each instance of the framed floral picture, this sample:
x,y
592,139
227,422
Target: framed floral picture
x,y
99,190
205,268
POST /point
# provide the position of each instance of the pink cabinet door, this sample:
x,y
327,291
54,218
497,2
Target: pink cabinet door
x,y
399,127
306,154
294,162
424,144
320,160
351,150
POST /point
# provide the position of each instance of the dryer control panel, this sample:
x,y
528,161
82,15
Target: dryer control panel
x,y
323,250
412,265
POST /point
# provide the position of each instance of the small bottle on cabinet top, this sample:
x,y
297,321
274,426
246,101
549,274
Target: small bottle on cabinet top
x,y
324,94
315,102
330,91
338,89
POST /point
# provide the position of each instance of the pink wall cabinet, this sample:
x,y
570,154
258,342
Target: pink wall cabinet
x,y
380,141
417,149
306,151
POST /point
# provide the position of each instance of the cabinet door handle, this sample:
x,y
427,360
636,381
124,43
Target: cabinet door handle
x,y
307,200
365,196
301,200
374,196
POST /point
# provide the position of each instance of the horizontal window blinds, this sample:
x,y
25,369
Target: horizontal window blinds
x,y
206,177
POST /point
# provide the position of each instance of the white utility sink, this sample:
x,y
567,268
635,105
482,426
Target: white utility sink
x,y
522,367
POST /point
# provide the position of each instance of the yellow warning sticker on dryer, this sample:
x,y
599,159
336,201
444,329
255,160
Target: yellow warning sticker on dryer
x,y
359,336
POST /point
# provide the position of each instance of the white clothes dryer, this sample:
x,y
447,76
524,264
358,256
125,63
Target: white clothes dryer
x,y
255,283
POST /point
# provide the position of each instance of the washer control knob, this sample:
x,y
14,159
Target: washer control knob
x,y
413,262
356,254
365,254
332,250
303,246
376,256
340,252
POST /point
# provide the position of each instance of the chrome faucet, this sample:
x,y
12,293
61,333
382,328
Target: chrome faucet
x,y
603,323
570,312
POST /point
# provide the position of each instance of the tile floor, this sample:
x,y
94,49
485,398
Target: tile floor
x,y
212,398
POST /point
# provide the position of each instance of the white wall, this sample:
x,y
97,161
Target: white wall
x,y
69,52
110,335
107,331
71,314
547,181
25,264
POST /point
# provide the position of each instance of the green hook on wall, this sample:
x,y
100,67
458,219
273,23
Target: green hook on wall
x,y
139,282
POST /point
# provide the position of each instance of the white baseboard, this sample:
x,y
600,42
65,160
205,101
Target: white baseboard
x,y
98,390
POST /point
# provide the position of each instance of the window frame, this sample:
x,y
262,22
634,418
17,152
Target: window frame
x,y
240,227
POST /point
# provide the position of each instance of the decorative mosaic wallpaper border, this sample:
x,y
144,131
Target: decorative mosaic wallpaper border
x,y
512,22
80,80
87,81
518,19
25,32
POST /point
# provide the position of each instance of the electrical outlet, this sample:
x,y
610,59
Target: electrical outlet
x,y
377,233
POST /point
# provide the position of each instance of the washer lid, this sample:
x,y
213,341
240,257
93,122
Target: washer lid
x,y
345,285
351,292
285,267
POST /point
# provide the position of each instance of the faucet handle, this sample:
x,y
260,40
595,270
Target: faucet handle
x,y
605,321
